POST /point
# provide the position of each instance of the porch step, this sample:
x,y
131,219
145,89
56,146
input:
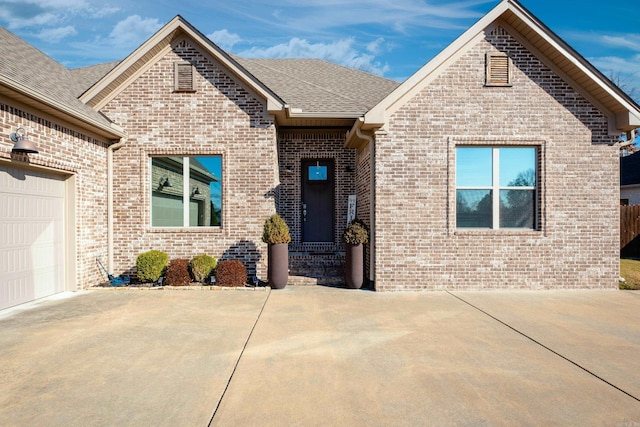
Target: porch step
x,y
316,268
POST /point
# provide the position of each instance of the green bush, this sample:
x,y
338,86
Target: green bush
x,y
275,230
178,273
150,265
202,266
231,273
356,233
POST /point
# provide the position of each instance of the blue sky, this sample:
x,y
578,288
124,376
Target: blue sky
x,y
390,38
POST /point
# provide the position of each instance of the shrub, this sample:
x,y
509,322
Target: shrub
x,y
231,273
275,230
356,233
202,266
150,265
178,273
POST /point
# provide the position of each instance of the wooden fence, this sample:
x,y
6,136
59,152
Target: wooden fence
x,y
630,231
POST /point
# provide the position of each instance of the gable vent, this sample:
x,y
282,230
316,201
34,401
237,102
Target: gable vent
x,y
183,77
498,69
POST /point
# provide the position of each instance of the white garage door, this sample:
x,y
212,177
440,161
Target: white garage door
x,y
31,235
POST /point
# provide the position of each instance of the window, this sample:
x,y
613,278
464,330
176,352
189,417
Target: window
x,y
183,77
496,187
498,69
186,191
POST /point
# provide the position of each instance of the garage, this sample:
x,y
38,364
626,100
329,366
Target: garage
x,y
32,234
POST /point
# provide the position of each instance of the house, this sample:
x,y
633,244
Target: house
x,y
464,172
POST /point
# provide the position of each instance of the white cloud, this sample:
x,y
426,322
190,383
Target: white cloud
x,y
341,52
224,38
375,47
54,35
629,41
133,30
103,12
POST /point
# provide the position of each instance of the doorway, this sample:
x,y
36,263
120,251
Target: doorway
x,y
318,210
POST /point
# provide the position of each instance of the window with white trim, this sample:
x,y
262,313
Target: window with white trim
x,y
496,187
186,191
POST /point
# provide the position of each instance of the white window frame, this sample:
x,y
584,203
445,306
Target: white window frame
x,y
495,187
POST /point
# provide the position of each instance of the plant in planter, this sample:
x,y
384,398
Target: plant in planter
x,y
202,267
276,235
355,236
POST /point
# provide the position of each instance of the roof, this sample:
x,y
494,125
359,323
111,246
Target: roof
x,y
318,86
86,77
630,169
34,78
622,111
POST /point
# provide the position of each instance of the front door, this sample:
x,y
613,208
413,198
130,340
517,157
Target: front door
x,y
317,200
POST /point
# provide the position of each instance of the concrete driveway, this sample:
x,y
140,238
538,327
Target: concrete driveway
x,y
324,356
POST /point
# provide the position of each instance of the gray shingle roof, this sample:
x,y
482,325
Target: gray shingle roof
x,y
86,77
318,86
27,66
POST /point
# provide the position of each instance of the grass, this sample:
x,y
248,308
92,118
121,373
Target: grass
x,y
630,270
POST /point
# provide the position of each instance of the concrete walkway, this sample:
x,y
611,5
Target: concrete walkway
x,y
323,356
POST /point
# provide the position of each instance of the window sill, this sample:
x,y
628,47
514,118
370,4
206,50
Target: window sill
x,y
498,232
188,230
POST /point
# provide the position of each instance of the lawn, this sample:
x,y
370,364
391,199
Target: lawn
x,y
630,270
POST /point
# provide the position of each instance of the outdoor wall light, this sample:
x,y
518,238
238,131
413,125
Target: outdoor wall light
x,y
164,182
288,169
21,143
195,190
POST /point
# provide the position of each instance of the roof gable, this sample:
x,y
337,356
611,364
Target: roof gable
x,y
156,47
623,113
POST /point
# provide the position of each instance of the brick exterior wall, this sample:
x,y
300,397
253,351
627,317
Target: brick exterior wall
x,y
417,244
70,151
363,192
220,118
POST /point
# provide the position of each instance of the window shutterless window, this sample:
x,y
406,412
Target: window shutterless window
x,y
496,187
186,191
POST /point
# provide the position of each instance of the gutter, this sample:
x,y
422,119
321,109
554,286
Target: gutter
x,y
372,194
110,151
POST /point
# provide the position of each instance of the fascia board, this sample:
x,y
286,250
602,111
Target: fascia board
x,y
571,55
428,72
178,24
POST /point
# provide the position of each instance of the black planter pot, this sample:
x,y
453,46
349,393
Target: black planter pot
x,y
354,266
278,265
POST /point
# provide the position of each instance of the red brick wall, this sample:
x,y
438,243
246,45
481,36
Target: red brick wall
x,y
220,118
418,246
70,151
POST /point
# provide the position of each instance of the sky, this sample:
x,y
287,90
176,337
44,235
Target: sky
x,y
389,38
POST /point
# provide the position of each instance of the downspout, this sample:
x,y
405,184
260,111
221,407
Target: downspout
x,y
110,151
372,204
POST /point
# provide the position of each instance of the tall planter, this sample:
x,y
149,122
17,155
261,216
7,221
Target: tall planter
x,y
278,265
276,235
354,265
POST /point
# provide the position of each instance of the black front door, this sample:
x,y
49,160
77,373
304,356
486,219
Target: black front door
x,y
317,200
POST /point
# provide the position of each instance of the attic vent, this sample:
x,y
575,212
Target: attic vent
x,y
183,77
498,70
